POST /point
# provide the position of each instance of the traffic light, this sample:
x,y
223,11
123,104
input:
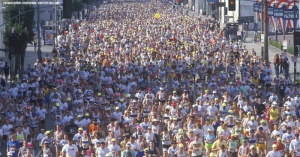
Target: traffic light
x,y
12,45
296,51
67,9
231,5
296,38
213,6
225,11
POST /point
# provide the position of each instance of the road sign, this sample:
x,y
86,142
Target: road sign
x,y
59,8
288,14
256,7
221,4
212,1
284,44
262,38
294,59
270,11
283,54
260,9
246,19
278,12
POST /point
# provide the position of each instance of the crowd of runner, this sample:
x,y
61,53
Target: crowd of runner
x,y
141,79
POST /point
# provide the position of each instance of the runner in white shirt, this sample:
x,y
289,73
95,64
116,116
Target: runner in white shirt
x,y
295,146
102,150
114,148
70,149
6,130
274,152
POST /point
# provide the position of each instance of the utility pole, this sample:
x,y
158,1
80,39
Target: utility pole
x,y
295,54
262,16
55,20
266,25
38,35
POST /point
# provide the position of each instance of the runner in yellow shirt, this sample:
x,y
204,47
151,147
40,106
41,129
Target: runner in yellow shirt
x,y
274,113
217,144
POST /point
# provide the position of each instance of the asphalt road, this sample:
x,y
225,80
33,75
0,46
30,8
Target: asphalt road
x,y
30,58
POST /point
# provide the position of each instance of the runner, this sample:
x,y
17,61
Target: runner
x,y
142,79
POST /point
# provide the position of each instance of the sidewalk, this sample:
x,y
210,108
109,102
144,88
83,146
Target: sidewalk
x,y
30,57
257,46
272,51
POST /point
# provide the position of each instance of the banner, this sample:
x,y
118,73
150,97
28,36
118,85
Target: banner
x,y
49,37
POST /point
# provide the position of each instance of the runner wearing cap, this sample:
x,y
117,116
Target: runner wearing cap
x,y
128,151
47,150
280,146
252,152
114,148
47,138
77,137
209,140
273,152
233,145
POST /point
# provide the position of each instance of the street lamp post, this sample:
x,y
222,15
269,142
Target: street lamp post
x,y
284,21
262,16
38,31
55,19
266,25
276,29
295,54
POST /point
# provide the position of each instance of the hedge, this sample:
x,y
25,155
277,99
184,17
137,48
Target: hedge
x,y
278,45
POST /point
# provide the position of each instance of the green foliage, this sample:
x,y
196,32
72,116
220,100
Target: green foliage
x,y
290,50
20,33
23,25
77,5
278,45
275,44
26,21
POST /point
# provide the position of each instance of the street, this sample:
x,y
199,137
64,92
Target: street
x,y
30,58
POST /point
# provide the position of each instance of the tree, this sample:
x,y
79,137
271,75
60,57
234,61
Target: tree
x,y
20,34
23,25
89,4
77,6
